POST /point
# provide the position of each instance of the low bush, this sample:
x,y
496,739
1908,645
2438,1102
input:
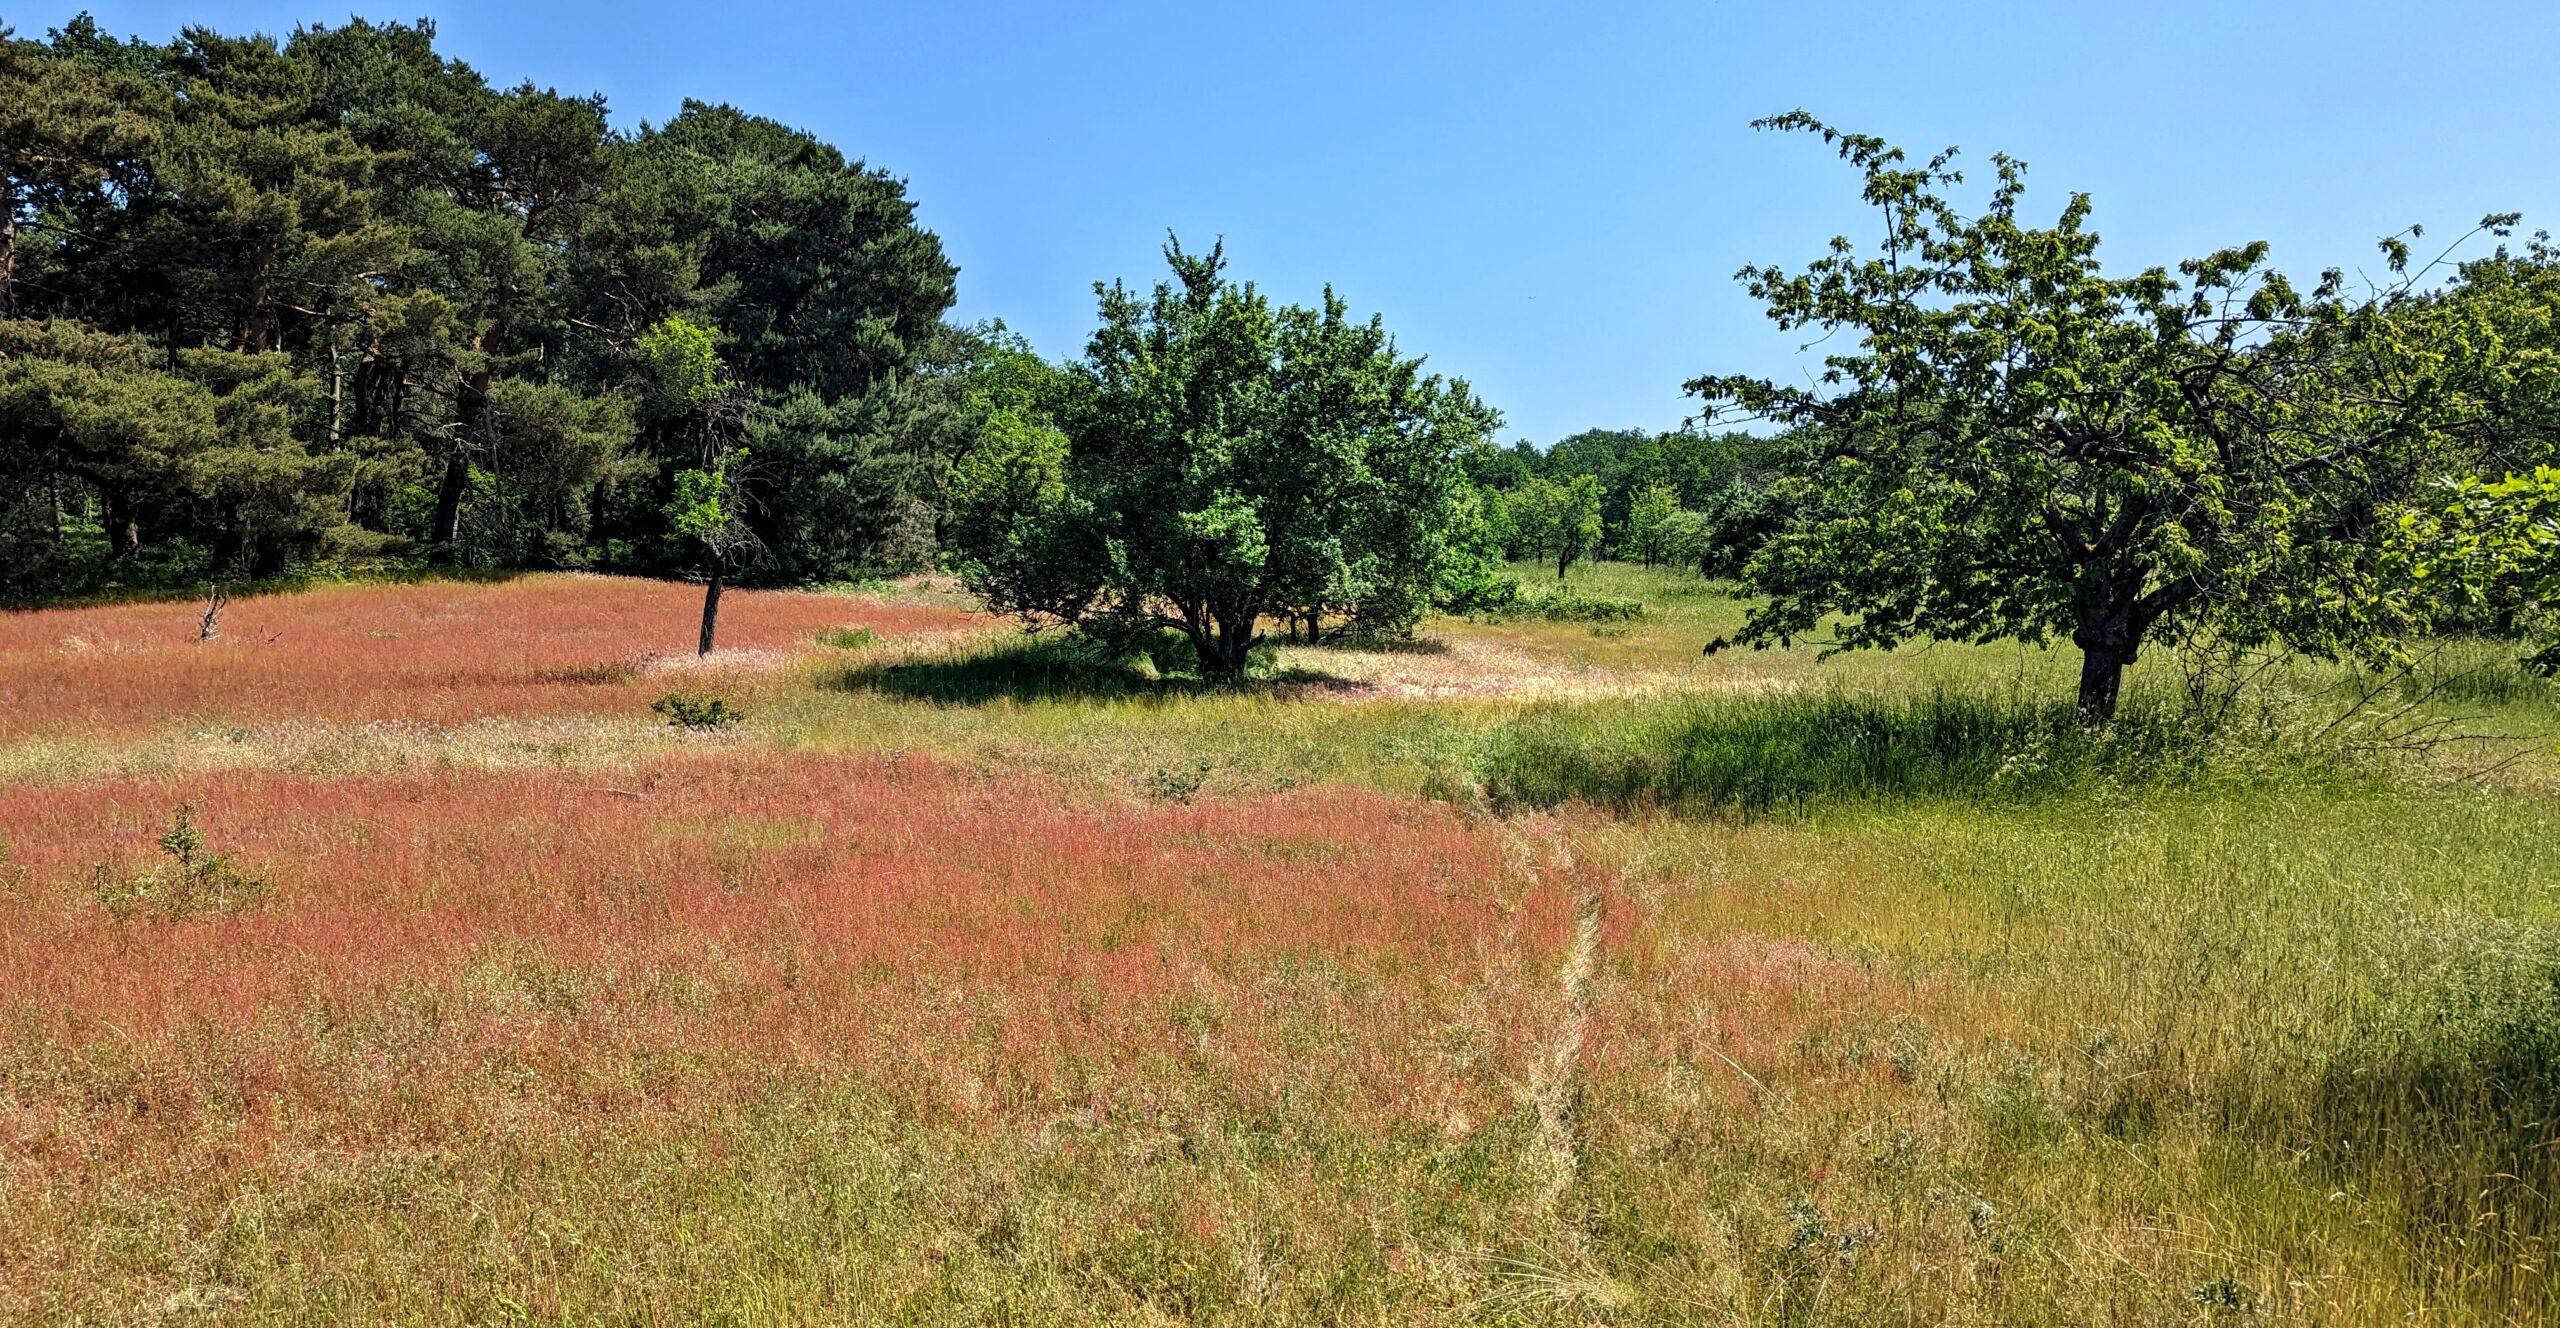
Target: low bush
x,y
1562,604
194,881
684,710
849,638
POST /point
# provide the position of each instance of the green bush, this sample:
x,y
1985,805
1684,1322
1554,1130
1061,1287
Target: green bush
x,y
1564,605
849,638
195,881
687,711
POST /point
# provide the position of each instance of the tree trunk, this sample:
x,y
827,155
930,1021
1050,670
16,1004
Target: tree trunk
x,y
253,321
448,522
1564,559
475,418
710,611
1225,642
2101,681
115,512
8,252
337,394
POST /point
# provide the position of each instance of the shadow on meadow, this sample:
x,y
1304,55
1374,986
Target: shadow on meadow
x,y
1064,668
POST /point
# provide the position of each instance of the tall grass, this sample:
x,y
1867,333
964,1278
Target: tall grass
x,y
1755,754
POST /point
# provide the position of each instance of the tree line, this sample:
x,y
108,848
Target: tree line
x,y
336,297
339,297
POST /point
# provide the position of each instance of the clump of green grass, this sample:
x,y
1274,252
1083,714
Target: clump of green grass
x,y
1754,755
685,710
194,881
1180,783
849,638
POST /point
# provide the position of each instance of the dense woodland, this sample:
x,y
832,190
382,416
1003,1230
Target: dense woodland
x,y
336,299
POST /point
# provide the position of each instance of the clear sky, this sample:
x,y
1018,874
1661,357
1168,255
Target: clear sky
x,y
1550,200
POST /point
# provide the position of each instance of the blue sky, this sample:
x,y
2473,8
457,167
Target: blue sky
x,y
1551,200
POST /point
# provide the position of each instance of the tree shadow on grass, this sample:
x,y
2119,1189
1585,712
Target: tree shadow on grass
x,y
1055,668
1061,669
1373,645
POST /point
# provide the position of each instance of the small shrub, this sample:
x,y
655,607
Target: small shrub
x,y
1486,593
2222,1293
193,882
684,710
1179,783
849,638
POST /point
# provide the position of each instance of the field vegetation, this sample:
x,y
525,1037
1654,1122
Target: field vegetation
x,y
572,752
1489,978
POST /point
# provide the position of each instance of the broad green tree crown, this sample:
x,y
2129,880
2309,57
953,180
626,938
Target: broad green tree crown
x,y
1218,460
2012,443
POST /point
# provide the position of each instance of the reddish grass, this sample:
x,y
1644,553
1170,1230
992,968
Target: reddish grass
x,y
447,958
439,653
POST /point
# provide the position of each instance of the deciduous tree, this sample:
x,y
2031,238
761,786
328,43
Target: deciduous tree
x,y
2015,444
1222,461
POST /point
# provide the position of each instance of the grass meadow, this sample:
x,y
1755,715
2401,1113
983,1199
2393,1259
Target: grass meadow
x,y
386,959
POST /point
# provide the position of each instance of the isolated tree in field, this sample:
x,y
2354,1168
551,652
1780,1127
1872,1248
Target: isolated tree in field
x,y
1649,521
2014,444
1558,522
1219,460
708,509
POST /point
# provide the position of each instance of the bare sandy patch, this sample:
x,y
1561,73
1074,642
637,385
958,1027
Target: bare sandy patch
x,y
1435,668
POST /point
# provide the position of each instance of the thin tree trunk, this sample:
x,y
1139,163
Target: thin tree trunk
x,y
475,415
337,393
448,522
8,252
710,610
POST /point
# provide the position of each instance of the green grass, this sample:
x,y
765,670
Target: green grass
x,y
1755,754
